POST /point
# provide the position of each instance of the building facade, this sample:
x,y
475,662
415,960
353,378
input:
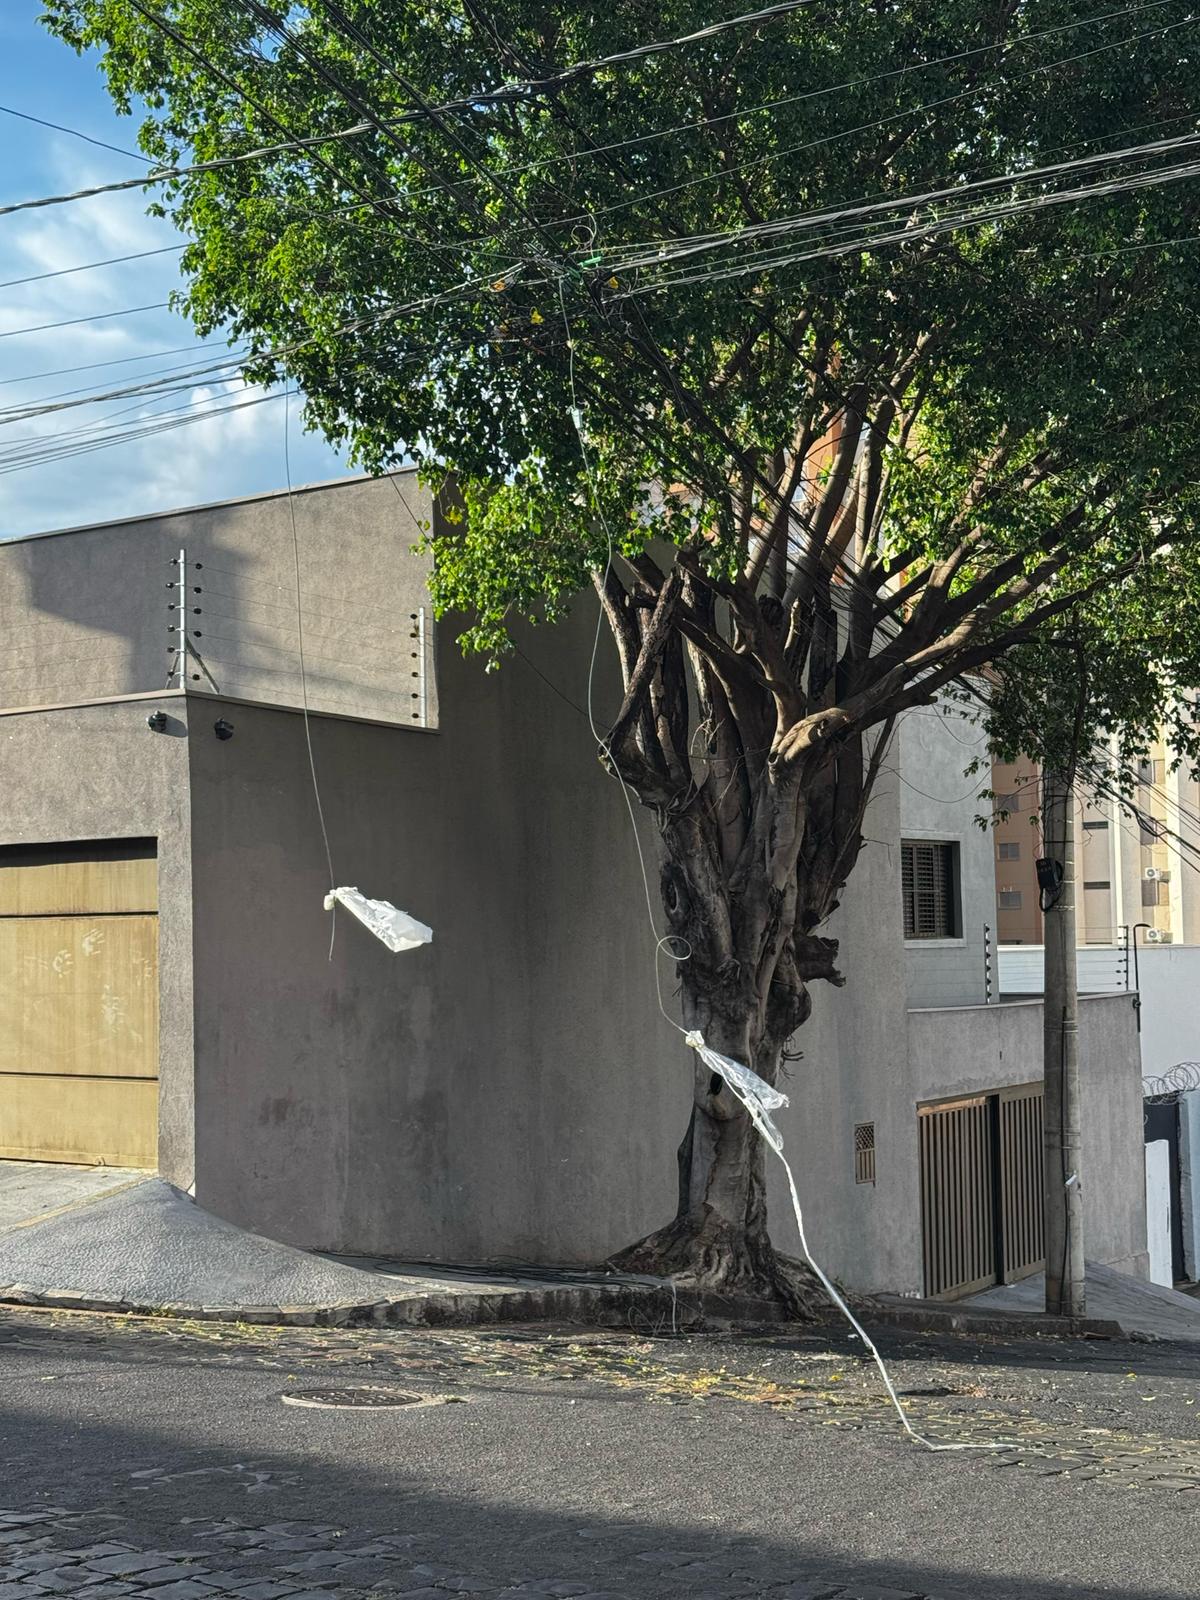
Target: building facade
x,y
1136,864
510,1091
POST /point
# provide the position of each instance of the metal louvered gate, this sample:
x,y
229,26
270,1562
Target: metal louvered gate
x,y
958,1196
1022,1182
981,1190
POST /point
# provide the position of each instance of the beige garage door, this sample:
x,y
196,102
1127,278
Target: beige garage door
x,y
79,1003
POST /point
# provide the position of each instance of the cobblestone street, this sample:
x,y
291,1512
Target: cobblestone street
x,y
146,1458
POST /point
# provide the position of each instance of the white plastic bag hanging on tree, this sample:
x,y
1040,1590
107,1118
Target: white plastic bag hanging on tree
x,y
396,929
758,1096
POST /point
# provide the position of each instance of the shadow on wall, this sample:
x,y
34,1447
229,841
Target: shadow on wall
x,y
98,610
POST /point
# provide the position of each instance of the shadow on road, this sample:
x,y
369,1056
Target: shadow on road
x,y
639,1501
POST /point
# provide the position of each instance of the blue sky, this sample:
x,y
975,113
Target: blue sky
x,y
239,452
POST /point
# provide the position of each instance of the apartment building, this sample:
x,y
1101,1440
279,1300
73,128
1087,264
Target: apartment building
x,y
1137,864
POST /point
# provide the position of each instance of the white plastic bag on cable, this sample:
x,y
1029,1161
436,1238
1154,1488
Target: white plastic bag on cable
x,y
396,929
755,1093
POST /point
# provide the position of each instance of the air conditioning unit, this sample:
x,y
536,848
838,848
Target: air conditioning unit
x,y
1157,874
1158,936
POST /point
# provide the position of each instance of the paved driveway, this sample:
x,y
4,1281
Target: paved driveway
x,y
30,1189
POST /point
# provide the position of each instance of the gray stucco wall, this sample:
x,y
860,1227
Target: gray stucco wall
x,y
988,1047
90,618
98,772
939,802
509,1090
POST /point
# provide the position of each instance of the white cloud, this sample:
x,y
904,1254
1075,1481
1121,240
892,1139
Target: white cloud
x,y
219,457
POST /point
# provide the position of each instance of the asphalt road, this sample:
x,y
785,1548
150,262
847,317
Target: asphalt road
x,y
150,1458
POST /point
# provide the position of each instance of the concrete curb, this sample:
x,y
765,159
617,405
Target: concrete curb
x,y
600,1305
605,1305
926,1318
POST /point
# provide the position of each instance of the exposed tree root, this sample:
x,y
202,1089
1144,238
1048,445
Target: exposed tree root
x,y
707,1254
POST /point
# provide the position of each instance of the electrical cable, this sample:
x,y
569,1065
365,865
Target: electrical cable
x,y
91,266
26,116
119,361
71,322
312,760
485,97
867,127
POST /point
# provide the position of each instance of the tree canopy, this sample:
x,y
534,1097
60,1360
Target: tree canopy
x,y
959,236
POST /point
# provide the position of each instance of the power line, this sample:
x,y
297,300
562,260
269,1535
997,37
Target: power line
x,y
509,91
754,163
90,266
117,361
838,88
698,243
149,431
770,263
72,322
26,116
531,88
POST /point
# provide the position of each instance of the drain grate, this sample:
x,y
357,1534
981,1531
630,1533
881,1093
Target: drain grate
x,y
360,1397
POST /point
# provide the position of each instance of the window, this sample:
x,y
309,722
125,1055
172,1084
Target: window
x,y
1150,829
1151,771
1098,883
864,1152
1007,802
1010,852
1094,827
1010,900
930,884
1154,894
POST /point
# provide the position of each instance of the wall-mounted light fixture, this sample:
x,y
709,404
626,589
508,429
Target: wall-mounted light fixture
x,y
157,722
223,729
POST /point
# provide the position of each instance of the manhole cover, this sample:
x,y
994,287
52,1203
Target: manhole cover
x,y
360,1397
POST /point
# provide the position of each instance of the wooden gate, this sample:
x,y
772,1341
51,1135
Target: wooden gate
x,y
79,1003
981,1190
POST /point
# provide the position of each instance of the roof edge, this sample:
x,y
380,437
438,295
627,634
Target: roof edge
x,y
207,505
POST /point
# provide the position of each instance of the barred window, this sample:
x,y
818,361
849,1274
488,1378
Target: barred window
x,y
1010,852
929,873
1010,899
864,1152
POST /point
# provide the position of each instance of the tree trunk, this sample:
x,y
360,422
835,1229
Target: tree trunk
x,y
718,1239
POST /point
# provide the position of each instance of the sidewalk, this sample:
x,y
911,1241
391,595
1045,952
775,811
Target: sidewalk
x,y
144,1246
103,1240
1148,1310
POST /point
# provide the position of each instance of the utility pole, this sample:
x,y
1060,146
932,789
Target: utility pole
x,y
1063,1194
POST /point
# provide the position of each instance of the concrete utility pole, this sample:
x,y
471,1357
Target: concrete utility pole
x,y
1064,1197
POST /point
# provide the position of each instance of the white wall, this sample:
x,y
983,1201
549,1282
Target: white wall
x,y
939,801
1169,976
1102,968
1158,1212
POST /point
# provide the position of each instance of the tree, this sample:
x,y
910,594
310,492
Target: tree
x,y
843,349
